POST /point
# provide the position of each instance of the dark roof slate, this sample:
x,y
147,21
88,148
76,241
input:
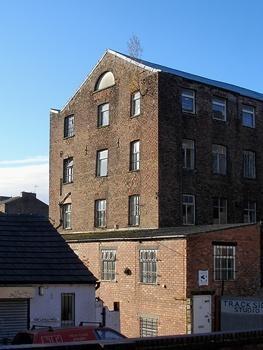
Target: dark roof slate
x,y
32,251
148,234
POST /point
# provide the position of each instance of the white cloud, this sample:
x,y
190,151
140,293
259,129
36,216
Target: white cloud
x,y
29,175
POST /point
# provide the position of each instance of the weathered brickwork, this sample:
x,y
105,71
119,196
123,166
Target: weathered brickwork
x,y
178,263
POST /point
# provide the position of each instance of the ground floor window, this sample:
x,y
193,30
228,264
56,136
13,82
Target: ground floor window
x,y
148,327
67,309
224,262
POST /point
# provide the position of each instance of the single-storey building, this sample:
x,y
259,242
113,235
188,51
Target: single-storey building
x,y
42,281
176,280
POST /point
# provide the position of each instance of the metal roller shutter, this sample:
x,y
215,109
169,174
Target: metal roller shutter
x,y
13,317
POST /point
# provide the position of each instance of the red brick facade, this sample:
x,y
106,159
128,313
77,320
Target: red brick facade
x,y
178,262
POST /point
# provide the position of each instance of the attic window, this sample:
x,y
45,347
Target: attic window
x,y
105,80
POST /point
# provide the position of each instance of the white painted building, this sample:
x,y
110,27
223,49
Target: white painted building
x,y
42,281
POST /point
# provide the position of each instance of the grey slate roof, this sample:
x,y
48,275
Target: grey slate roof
x,y
149,234
32,251
8,200
189,76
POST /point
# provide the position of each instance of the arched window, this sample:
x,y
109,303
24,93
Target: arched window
x,y
104,81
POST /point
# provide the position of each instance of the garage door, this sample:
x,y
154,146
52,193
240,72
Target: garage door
x,y
13,316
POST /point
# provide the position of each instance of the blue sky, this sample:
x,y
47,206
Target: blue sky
x,y
47,48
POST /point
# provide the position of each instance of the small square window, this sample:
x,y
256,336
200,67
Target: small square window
x,y
148,266
188,101
219,108
148,327
224,262
136,104
103,115
69,126
248,116
100,213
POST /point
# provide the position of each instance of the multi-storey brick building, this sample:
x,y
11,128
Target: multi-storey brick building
x,y
155,147
140,147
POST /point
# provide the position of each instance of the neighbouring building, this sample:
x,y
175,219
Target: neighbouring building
x,y
27,203
172,280
42,281
152,172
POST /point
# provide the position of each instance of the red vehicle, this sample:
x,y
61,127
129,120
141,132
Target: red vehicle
x,y
47,335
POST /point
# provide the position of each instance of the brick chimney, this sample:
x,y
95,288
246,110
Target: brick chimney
x,y
28,195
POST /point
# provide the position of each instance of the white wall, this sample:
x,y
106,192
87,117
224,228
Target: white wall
x,y
46,309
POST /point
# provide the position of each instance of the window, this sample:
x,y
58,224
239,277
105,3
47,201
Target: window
x,y
219,211
134,210
188,154
148,266
250,212
219,159
188,209
67,309
103,115
136,104
68,170
188,101
66,216
100,213
135,155
219,108
248,116
224,262
69,126
148,327
102,163
105,80
108,270
249,164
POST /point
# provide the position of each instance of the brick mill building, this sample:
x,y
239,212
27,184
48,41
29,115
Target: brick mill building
x,y
141,149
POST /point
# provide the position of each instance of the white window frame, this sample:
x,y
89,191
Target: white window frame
x,y
219,154
220,204
188,94
136,104
250,212
223,255
69,129
134,210
188,201
66,216
248,110
68,164
108,264
103,115
188,147
217,101
148,327
102,163
100,213
135,155
249,164
148,266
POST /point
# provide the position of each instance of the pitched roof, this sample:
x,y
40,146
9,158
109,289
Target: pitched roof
x,y
219,84
10,199
32,251
149,234
154,67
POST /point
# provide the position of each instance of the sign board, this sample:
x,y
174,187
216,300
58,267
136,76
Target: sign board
x,y
203,277
17,292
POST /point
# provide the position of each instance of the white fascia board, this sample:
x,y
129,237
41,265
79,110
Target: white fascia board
x,y
117,55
